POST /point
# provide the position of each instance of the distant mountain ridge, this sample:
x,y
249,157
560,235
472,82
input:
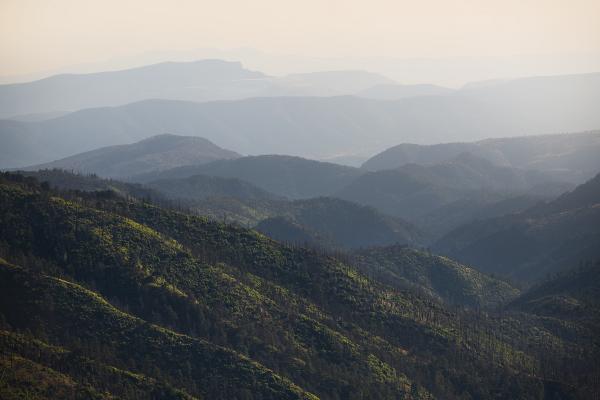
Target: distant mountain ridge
x,y
317,127
572,157
157,153
198,81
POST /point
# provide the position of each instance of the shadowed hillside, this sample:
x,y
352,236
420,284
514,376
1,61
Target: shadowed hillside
x,y
541,240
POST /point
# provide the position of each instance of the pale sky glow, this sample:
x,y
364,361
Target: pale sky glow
x,y
41,35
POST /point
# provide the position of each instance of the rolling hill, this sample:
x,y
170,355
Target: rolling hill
x,y
570,157
149,155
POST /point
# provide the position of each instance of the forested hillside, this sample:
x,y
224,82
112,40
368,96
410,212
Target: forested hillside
x,y
324,221
163,304
406,268
544,239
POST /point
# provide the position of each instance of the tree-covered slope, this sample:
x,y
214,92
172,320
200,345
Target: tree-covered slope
x,y
324,221
571,294
209,301
62,307
438,276
65,180
260,315
541,240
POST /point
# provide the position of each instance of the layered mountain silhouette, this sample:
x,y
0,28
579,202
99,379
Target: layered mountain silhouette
x,y
203,80
435,197
318,127
467,185
198,81
199,230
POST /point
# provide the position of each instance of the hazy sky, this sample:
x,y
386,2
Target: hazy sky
x,y
42,35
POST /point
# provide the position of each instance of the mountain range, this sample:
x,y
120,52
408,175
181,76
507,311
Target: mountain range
x,y
435,197
203,80
467,185
199,81
316,127
571,157
199,230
